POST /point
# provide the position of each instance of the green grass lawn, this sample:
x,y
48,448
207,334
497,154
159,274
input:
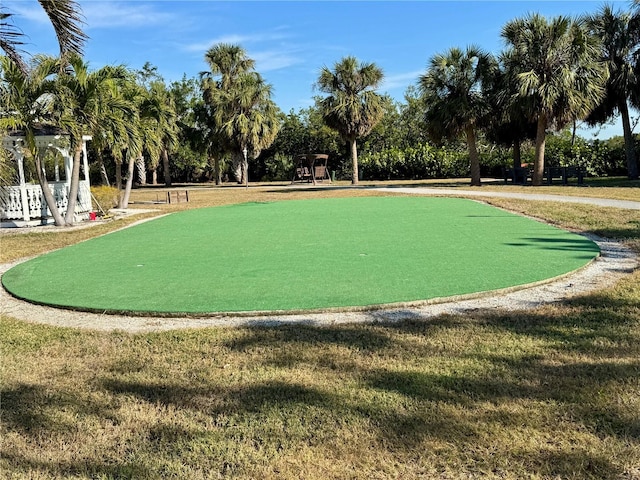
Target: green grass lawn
x,y
549,393
307,254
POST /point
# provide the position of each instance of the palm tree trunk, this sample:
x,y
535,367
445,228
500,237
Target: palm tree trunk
x,y
474,159
103,169
124,200
217,174
119,174
517,154
154,175
538,161
46,193
165,166
354,160
142,170
216,170
238,170
629,147
74,185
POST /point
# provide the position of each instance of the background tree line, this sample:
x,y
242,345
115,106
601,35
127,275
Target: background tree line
x,y
470,114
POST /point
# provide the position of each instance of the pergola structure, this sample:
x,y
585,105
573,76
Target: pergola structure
x,y
24,204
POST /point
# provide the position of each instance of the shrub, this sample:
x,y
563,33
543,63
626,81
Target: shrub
x,y
104,198
416,162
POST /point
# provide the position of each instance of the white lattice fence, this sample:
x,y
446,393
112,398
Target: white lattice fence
x,y
13,198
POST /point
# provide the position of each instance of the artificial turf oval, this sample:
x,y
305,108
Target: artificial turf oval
x,y
305,254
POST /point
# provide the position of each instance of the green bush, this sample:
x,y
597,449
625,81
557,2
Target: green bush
x,y
415,162
277,167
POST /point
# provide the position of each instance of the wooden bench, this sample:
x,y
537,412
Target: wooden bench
x,y
177,196
519,176
564,173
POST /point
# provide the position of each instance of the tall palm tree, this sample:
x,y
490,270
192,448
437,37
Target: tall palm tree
x,y
147,137
129,143
204,136
635,25
27,99
159,106
510,122
560,72
88,98
66,19
226,63
243,115
352,106
247,118
619,45
454,90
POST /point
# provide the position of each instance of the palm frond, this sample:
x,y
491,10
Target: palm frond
x,y
67,22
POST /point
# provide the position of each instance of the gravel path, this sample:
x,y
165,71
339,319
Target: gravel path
x,y
602,202
614,263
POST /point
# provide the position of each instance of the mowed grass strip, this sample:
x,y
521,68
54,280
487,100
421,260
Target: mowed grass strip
x,y
296,255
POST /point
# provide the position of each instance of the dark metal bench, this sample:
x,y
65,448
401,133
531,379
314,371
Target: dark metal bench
x,y
518,175
564,173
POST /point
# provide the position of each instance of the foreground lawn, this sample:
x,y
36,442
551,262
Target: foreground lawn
x,y
548,393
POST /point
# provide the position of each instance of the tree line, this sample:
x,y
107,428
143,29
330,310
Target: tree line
x,y
460,117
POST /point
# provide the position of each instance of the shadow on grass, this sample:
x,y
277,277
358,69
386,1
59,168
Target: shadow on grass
x,y
561,244
359,337
622,233
81,469
37,413
451,380
238,400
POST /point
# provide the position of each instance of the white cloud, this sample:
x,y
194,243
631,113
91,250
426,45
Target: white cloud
x,y
26,10
236,39
207,44
114,14
273,54
400,80
270,60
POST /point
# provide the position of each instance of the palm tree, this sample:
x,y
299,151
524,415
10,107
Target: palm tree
x,y
146,138
454,91
228,62
243,116
559,72
352,107
635,26
159,106
87,99
27,99
247,119
619,44
129,143
510,122
203,135
65,17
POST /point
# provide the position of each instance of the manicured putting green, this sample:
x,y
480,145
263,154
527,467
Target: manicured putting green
x,y
297,255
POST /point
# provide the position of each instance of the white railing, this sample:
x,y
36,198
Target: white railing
x,y
26,203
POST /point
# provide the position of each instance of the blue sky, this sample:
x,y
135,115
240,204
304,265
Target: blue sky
x,y
290,40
